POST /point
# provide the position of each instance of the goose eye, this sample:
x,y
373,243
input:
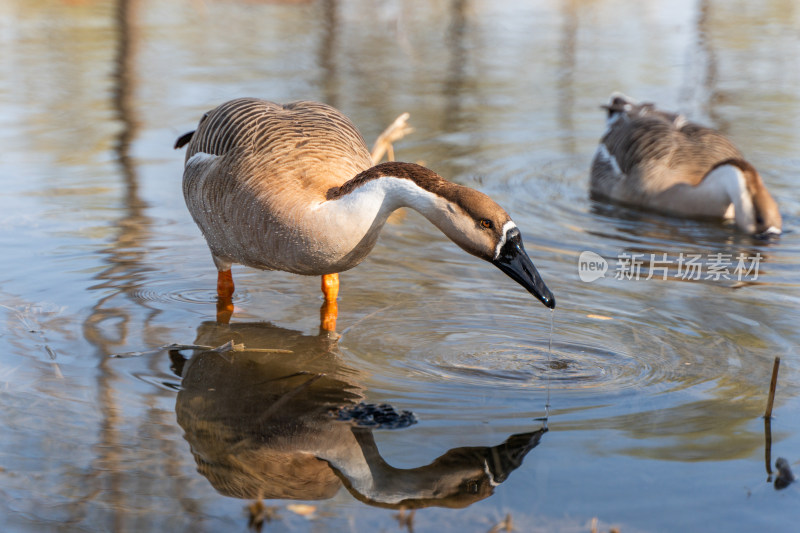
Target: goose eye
x,y
487,224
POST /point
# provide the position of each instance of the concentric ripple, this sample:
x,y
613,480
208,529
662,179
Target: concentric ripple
x,y
568,366
198,296
512,353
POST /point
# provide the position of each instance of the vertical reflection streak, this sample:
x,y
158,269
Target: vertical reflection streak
x,y
456,66
566,76
125,272
327,51
700,92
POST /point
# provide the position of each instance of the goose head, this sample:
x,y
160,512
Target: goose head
x,y
482,228
767,218
620,105
754,209
467,217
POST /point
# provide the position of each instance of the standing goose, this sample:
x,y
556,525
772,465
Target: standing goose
x,y
659,160
292,187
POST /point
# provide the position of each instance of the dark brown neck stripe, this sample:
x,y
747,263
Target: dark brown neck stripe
x,y
423,177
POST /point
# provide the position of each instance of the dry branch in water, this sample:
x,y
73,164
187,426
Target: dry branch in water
x,y
229,346
773,384
383,144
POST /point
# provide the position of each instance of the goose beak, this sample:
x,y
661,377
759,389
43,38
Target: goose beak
x,y
513,260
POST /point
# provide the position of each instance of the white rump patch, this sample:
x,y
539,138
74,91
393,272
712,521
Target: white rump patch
x,y
507,226
200,157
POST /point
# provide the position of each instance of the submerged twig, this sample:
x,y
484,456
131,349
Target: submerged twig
x,y
405,520
773,384
258,514
504,525
229,346
363,318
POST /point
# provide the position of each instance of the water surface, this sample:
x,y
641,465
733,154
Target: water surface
x,y
656,386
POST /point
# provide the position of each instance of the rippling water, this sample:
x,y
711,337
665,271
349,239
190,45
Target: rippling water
x,y
656,386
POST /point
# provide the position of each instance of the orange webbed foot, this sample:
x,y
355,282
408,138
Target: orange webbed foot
x,y
330,308
225,290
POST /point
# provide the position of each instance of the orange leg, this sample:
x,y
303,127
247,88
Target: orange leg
x,y
330,309
224,296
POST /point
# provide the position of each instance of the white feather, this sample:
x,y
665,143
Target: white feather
x,y
507,226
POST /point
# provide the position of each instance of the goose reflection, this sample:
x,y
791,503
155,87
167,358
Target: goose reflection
x,y
264,425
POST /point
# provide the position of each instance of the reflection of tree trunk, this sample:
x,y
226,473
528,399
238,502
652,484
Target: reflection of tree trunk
x,y
454,80
327,51
128,234
701,90
566,75
124,72
123,256
109,324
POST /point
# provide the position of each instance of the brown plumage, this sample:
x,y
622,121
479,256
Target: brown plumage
x,y
660,161
292,187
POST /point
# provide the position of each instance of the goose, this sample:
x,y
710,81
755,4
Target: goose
x,y
291,187
658,160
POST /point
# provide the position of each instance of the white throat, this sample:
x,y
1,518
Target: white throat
x,y
354,221
378,198
732,180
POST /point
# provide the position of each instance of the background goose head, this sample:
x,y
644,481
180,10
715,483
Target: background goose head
x,y
621,106
755,212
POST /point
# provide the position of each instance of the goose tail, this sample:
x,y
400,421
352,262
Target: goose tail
x,y
184,139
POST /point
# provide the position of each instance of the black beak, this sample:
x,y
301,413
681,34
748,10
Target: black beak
x,y
513,260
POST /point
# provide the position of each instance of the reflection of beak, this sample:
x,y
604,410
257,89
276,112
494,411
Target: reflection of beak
x,y
513,260
508,456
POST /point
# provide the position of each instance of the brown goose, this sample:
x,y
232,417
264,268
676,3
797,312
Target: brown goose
x,y
659,160
292,187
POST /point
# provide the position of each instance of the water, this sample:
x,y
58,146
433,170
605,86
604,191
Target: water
x,y
656,387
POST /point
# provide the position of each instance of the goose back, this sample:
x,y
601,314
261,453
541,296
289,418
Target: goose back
x,y
661,161
646,151
255,170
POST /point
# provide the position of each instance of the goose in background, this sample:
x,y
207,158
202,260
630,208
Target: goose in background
x,y
658,160
292,187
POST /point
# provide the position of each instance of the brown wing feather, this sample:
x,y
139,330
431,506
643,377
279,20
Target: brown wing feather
x,y
268,165
658,151
308,143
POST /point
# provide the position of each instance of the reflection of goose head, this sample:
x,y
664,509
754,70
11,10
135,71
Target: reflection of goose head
x,y
262,425
460,477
